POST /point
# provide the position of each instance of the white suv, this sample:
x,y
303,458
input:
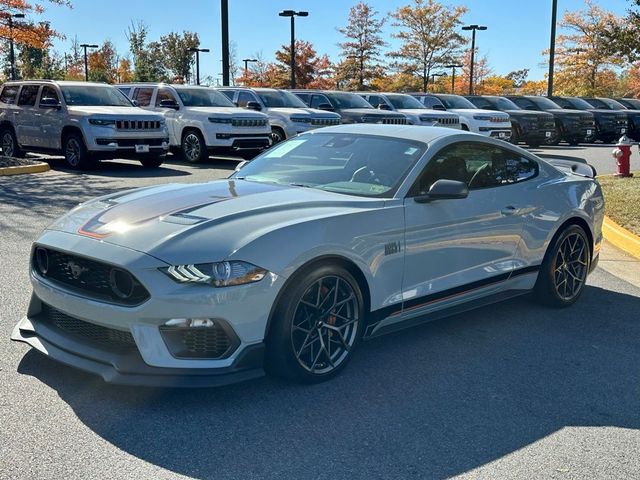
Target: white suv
x,y
288,115
410,107
486,122
201,120
84,121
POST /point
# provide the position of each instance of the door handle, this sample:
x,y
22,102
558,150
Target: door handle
x,y
38,114
509,210
15,112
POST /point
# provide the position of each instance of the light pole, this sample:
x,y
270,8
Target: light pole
x,y
453,67
86,64
473,29
198,50
293,14
552,47
434,75
246,65
12,54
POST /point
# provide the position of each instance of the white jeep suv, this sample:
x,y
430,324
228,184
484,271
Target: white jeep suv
x,y
410,107
201,120
288,115
486,122
84,121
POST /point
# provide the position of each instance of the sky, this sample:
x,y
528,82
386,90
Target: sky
x,y
518,30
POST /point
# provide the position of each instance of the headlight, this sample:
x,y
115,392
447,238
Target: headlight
x,y
486,118
300,119
101,122
220,120
429,119
219,274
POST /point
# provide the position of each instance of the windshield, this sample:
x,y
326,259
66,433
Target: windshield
x,y
203,97
455,101
632,103
579,104
598,104
363,165
94,96
348,100
506,104
544,103
404,101
280,99
613,104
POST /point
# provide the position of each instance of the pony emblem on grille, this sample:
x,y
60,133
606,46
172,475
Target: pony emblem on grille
x,y
76,270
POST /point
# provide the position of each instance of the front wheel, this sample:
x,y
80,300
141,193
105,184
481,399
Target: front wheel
x,y
317,326
10,146
563,273
152,162
193,147
75,152
277,135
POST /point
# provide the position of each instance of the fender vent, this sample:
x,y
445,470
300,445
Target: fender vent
x,y
391,248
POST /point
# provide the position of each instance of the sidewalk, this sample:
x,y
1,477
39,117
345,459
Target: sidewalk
x,y
619,263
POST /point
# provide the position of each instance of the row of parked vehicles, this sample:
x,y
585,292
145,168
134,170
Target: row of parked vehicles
x,y
87,122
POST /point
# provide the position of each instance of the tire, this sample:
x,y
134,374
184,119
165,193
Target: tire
x,y
311,350
563,273
573,143
10,146
193,147
75,152
464,128
277,135
152,162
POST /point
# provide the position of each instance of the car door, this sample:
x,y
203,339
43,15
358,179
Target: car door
x,y
25,120
455,246
49,119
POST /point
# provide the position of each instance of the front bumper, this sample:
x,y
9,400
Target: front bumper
x,y
129,368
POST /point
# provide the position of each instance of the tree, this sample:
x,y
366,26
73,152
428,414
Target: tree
x,y
429,37
481,70
362,48
148,61
31,34
584,56
311,71
177,58
103,64
518,77
623,38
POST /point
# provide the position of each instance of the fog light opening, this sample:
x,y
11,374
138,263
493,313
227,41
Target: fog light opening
x,y
190,323
42,261
122,283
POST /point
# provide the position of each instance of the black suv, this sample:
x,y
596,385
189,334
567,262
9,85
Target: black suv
x,y
573,126
630,103
633,117
353,108
610,125
532,128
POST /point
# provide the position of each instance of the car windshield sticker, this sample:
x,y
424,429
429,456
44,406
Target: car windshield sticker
x,y
285,148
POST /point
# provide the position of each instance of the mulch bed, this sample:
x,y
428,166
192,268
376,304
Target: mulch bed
x,y
16,162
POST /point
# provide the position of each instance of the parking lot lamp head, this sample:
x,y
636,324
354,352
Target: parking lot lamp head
x,y
292,14
86,65
473,28
197,52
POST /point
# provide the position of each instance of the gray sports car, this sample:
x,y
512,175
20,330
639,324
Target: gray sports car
x,y
334,236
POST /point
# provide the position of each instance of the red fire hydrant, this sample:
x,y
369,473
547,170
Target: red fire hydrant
x,y
622,155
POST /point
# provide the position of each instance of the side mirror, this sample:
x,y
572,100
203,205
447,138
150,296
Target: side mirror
x,y
439,107
326,106
169,104
50,102
383,106
444,190
135,102
254,106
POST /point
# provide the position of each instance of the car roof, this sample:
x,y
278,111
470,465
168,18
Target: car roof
x,y
159,84
408,132
55,82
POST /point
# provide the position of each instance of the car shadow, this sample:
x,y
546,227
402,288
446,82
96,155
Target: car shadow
x,y
430,402
117,169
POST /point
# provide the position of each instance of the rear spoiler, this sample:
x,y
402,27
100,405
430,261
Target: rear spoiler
x,y
575,165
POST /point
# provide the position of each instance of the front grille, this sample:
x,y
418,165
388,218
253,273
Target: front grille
x,y
206,342
108,338
587,121
138,124
323,122
249,122
448,121
621,120
91,278
384,120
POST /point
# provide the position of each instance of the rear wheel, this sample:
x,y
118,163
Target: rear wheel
x,y
563,273
10,146
317,325
75,152
193,147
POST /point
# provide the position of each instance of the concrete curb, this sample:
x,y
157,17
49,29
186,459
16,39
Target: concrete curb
x,y
621,237
20,169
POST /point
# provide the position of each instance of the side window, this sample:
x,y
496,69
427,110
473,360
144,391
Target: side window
x,y
375,100
562,102
28,95
244,98
481,103
9,94
304,97
164,94
477,165
126,91
523,103
228,94
49,93
143,96
317,100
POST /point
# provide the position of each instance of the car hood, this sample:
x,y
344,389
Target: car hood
x,y
371,112
186,223
113,112
426,112
567,111
235,112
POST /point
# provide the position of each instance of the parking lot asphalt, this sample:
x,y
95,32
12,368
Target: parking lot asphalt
x,y
515,390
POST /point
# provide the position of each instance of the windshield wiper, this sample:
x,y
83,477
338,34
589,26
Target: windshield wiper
x,y
304,185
